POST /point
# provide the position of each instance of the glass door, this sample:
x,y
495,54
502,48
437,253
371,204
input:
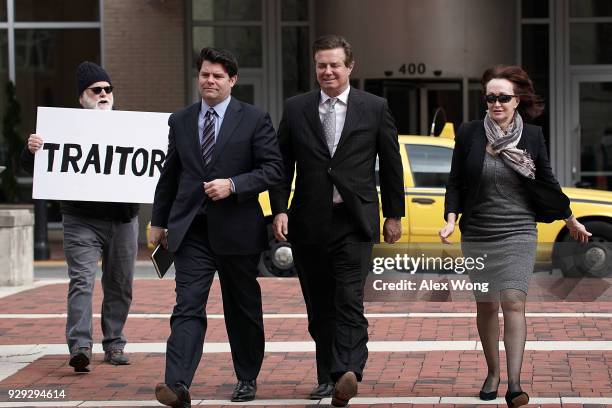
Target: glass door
x,y
414,102
592,131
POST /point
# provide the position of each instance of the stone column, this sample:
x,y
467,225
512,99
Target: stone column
x,y
16,247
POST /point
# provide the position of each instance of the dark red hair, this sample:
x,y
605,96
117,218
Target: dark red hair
x,y
531,105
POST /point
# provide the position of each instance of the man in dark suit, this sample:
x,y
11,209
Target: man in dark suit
x,y
332,138
221,154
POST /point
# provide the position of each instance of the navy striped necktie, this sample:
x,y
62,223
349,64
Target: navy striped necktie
x,y
208,136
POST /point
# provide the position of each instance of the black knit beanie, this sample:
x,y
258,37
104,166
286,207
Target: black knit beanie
x,y
88,73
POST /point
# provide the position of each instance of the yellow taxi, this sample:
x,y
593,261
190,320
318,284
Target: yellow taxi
x,y
426,161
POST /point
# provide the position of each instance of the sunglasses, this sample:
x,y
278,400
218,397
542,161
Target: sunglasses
x,y
490,98
98,89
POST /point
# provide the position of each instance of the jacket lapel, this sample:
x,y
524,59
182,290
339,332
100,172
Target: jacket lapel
x,y
311,111
193,136
354,113
232,117
479,146
523,143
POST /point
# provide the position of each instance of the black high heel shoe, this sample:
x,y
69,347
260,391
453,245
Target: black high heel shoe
x,y
516,399
490,395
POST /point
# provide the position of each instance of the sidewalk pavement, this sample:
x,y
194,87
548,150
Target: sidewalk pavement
x,y
422,354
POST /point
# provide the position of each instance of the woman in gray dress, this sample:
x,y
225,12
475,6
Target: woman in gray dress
x,y
497,164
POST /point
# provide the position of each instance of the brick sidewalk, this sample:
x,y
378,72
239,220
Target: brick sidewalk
x,y
280,295
150,330
291,375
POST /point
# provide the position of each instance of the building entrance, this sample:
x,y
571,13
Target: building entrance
x,y
414,102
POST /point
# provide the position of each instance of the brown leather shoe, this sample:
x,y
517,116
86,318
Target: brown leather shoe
x,y
516,399
346,388
175,397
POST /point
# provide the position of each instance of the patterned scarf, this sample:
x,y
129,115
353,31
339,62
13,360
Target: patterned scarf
x,y
504,144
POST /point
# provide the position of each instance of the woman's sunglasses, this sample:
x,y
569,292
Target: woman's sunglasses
x,y
98,89
490,98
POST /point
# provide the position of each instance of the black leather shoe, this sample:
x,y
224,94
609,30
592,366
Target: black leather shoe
x,y
244,391
488,395
116,357
176,396
79,359
345,389
322,391
516,399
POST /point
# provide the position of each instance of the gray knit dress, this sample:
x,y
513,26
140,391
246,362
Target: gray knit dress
x,y
502,226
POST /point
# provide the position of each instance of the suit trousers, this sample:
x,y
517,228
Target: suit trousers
x,y
332,277
195,265
86,240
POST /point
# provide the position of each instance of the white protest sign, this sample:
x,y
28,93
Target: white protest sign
x,y
97,155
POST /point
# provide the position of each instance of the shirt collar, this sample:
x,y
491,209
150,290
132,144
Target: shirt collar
x,y
219,108
343,97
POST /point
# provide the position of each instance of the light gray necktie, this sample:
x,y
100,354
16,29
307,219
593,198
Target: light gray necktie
x,y
329,129
329,124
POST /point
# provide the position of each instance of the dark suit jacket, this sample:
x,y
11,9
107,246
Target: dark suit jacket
x,y
247,151
369,130
549,202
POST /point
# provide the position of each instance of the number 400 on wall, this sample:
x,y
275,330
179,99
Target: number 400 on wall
x,y
412,68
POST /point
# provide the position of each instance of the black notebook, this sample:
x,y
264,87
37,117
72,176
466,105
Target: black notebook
x,y
162,260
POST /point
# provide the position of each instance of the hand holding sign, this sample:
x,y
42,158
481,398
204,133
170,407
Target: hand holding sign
x,y
35,142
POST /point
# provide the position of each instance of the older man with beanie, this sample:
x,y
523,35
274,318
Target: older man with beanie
x,y
94,231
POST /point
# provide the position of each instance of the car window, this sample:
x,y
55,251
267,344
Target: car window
x,y
430,165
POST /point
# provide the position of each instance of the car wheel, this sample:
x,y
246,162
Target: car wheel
x,y
277,261
593,259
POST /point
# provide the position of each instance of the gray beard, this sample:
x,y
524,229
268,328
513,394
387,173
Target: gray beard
x,y
89,103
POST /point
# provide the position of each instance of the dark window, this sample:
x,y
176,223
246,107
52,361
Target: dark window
x,y
535,56
404,97
244,42
534,8
294,10
596,135
226,10
244,93
45,63
451,100
53,10
476,104
590,43
430,165
590,8
3,81
296,61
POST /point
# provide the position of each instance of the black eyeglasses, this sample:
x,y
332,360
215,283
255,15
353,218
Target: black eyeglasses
x,y
98,89
503,98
